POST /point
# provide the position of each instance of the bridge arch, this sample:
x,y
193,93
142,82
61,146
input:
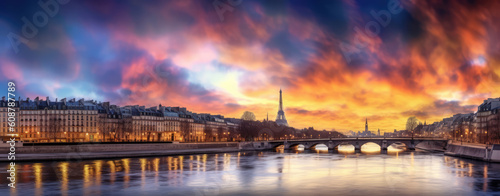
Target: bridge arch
x,y
345,147
396,147
297,146
275,146
397,143
370,147
407,143
336,145
312,145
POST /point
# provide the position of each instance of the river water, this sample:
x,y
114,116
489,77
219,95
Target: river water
x,y
309,172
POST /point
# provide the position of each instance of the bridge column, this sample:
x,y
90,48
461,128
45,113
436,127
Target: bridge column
x,y
412,145
286,145
357,146
384,145
330,145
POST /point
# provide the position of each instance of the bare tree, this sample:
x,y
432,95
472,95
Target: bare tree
x,y
207,130
495,128
249,116
54,125
128,127
113,129
119,130
411,124
142,129
155,129
185,129
248,130
148,132
233,134
106,126
220,133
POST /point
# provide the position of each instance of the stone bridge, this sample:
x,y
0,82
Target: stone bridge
x,y
356,142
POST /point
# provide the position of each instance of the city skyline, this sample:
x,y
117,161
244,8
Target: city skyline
x,y
236,63
36,101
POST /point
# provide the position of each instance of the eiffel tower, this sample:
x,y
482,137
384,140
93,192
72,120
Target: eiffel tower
x,y
280,119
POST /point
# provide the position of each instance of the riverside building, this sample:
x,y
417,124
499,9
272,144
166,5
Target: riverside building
x,y
91,121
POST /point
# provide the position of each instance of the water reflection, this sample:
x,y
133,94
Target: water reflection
x,y
63,174
321,148
396,148
415,172
346,149
370,148
299,147
37,169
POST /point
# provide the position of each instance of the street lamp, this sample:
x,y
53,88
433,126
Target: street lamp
x,y
486,140
461,139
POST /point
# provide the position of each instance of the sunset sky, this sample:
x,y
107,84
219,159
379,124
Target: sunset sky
x,y
431,60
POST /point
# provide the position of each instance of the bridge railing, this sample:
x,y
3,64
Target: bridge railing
x,y
362,138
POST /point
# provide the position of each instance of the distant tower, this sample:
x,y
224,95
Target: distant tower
x,y
378,132
280,119
267,119
366,125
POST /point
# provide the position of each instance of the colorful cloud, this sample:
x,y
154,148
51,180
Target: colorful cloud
x,y
433,59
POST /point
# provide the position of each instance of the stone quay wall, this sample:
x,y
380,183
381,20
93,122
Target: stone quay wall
x,y
117,147
490,154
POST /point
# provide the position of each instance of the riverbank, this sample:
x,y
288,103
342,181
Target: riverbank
x,y
99,151
128,150
432,146
488,153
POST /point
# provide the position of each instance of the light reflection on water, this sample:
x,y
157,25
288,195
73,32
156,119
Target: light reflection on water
x,y
370,148
321,148
396,148
299,147
258,173
346,149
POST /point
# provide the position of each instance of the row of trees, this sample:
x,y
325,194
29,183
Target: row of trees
x,y
250,130
116,130
210,134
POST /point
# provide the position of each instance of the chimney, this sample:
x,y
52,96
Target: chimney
x,y
3,98
64,100
56,99
105,105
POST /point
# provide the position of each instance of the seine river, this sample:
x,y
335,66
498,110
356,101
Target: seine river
x,y
294,172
